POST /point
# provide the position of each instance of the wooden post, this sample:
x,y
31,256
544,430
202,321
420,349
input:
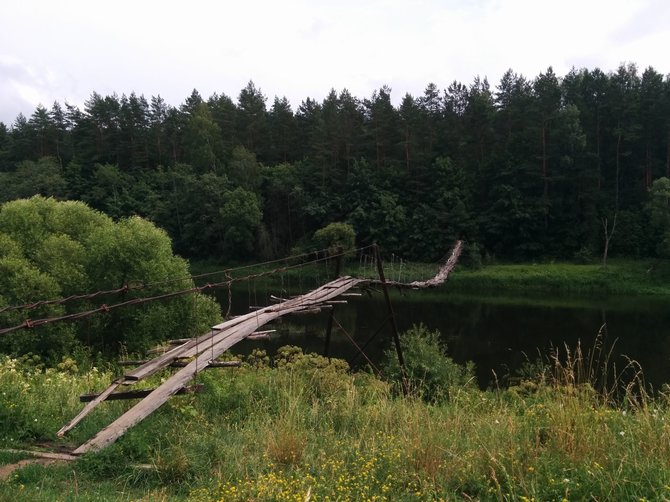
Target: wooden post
x,y
331,315
394,326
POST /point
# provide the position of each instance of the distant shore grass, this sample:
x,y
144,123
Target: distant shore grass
x,y
621,277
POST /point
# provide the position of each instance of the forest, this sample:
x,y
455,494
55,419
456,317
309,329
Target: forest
x,y
553,167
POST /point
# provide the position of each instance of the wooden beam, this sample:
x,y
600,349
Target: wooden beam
x,y
43,454
255,337
138,394
179,341
89,407
264,332
182,364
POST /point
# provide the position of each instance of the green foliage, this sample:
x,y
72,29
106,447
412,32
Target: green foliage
x,y
240,217
429,372
335,237
292,357
55,249
658,208
42,177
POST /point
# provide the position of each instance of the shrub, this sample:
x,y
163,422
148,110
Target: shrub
x,y
430,373
334,237
51,249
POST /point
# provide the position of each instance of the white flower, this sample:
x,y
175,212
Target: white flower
x,y
622,433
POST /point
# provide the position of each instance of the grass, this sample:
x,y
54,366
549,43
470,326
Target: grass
x,y
621,277
307,429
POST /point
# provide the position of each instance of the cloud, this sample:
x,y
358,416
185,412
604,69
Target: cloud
x,y
303,48
18,91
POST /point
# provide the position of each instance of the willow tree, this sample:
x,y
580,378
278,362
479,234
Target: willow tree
x,y
51,250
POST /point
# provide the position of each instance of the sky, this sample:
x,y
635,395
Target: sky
x,y
64,50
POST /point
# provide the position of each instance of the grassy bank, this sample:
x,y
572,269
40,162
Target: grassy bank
x,y
621,277
306,429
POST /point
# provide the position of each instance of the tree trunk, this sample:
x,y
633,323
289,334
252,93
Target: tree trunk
x,y
545,174
647,167
608,236
407,163
618,165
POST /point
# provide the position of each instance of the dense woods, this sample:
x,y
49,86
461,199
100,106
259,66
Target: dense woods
x,y
548,167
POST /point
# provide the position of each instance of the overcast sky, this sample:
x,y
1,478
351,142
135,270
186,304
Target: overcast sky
x,y
66,49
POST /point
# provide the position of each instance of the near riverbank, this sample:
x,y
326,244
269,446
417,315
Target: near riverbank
x,y
306,429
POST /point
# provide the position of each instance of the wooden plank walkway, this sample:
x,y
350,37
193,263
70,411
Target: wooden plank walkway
x,y
206,348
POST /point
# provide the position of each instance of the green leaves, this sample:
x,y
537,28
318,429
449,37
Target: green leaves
x,y
51,249
240,216
334,237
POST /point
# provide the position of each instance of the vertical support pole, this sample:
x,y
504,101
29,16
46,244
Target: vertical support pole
x,y
394,326
331,314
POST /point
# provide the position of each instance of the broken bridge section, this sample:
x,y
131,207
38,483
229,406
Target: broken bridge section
x,y
207,348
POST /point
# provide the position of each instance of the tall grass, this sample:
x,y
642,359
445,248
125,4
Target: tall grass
x,y
308,429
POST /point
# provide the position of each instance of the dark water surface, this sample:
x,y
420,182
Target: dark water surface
x,y
497,333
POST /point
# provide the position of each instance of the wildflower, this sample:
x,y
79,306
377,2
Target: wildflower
x,y
622,433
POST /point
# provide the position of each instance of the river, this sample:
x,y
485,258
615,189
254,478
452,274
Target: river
x,y
498,333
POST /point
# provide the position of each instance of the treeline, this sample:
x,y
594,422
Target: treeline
x,y
529,168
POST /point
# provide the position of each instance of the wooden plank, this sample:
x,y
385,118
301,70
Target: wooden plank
x,y
182,364
89,408
166,359
139,393
43,454
254,337
179,341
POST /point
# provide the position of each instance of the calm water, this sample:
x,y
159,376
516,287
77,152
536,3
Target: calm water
x,y
497,333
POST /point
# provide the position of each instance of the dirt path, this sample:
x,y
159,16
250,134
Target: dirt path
x,y
37,457
7,470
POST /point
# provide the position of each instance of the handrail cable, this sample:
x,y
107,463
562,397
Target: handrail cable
x,y
137,285
28,323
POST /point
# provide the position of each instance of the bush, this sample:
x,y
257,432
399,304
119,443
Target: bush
x,y
430,373
335,237
51,249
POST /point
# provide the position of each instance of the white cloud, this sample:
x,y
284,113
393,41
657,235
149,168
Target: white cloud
x,y
302,48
